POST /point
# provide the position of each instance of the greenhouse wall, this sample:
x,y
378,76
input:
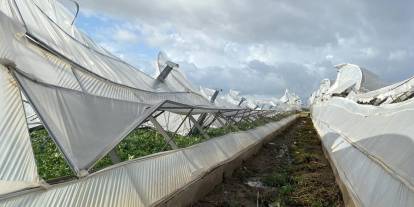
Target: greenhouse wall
x,y
172,178
370,148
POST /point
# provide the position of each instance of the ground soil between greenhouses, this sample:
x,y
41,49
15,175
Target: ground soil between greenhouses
x,y
290,170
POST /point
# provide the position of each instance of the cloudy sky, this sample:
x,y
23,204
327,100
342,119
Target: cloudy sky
x,y
259,47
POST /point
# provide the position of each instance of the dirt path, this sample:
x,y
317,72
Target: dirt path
x,y
291,170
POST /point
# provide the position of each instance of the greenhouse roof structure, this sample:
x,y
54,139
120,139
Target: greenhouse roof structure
x,y
87,98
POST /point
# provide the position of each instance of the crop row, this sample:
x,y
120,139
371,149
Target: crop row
x,y
140,142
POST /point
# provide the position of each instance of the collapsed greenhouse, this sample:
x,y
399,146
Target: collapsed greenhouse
x,y
54,77
365,130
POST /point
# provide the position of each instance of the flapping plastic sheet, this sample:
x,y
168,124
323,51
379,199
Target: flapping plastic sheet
x,y
145,181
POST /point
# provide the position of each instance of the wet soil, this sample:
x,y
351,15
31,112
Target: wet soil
x,y
290,170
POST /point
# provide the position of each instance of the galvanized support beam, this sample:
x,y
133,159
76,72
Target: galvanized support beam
x,y
200,121
166,71
217,117
214,97
229,123
241,101
230,118
242,116
202,118
159,114
248,118
182,122
159,128
199,127
211,122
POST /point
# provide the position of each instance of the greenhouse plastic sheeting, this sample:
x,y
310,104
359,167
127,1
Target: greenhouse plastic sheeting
x,y
96,76
371,148
76,89
76,105
48,22
352,76
149,180
18,169
387,94
86,127
171,121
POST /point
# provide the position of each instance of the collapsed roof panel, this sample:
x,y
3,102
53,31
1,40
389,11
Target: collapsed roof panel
x,y
87,98
18,168
85,127
370,144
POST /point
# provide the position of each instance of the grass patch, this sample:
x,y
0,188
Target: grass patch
x,y
277,179
291,168
309,181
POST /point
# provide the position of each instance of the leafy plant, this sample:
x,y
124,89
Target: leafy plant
x,y
140,142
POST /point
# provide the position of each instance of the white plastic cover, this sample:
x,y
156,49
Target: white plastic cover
x,y
370,146
18,168
146,181
75,105
353,78
87,98
86,127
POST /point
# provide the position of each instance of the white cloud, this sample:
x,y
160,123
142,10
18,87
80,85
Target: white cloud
x,y
369,52
124,35
398,55
263,46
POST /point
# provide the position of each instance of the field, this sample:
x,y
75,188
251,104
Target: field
x,y
140,142
291,170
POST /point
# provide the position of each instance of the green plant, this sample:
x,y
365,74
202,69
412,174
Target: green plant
x,y
140,142
276,179
50,162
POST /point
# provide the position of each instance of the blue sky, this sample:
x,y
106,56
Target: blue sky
x,y
257,47
120,39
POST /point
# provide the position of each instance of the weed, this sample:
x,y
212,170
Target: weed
x,y
276,179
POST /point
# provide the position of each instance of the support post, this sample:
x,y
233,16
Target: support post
x,y
242,116
200,121
217,117
248,118
166,71
211,122
229,123
167,138
200,129
230,118
182,122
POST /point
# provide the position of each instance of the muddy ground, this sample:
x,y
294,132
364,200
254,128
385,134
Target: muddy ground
x,y
291,170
